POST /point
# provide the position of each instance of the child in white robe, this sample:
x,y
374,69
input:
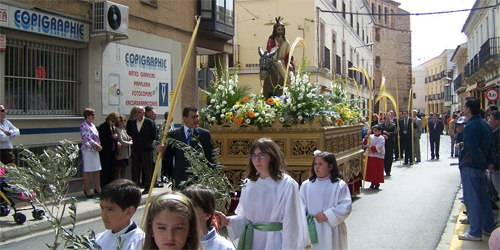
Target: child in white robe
x,y
327,201
172,224
119,201
203,200
376,154
269,205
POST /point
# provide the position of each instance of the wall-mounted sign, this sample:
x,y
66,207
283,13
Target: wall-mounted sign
x,y
42,23
492,95
133,76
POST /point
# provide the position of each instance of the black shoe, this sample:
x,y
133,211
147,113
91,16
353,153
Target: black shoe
x,y
372,186
388,174
437,158
432,158
417,161
146,191
377,187
158,185
411,163
88,196
405,163
96,194
164,179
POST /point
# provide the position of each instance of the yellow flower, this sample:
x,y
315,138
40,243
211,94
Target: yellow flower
x,y
230,116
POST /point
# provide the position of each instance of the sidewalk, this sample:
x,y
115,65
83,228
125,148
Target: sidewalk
x,y
87,209
449,239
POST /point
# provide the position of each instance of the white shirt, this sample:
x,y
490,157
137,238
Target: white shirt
x,y
133,239
186,131
6,140
139,124
213,241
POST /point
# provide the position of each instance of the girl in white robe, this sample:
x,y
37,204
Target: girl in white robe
x,y
327,201
269,206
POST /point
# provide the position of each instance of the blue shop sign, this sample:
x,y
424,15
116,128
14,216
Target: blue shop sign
x,y
41,23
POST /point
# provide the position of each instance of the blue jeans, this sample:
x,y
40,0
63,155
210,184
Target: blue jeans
x,y
477,201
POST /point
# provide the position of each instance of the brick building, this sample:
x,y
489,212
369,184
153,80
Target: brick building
x,y
392,50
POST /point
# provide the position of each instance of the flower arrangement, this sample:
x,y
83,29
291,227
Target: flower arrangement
x,y
301,103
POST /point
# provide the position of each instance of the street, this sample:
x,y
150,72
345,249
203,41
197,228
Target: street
x,y
410,211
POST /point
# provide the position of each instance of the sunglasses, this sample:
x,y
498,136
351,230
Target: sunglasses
x,y
138,112
3,110
92,114
255,156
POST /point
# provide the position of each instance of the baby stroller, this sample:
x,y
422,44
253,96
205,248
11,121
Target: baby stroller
x,y
7,198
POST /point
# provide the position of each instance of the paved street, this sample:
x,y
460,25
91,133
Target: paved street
x,y
416,208
411,208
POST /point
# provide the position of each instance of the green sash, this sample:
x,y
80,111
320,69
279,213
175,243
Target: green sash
x,y
246,237
312,229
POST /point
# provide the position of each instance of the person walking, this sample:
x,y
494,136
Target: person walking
x,y
143,133
389,133
7,133
474,159
417,133
91,145
435,130
110,144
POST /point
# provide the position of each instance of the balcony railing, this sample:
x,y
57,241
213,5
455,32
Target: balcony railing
x,y
326,57
338,64
457,83
489,50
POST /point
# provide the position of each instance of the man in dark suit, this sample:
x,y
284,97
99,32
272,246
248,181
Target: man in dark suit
x,y
190,134
405,137
435,130
389,133
394,120
143,133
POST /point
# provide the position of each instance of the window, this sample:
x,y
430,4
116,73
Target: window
x,y
373,10
377,62
219,5
40,79
392,18
206,9
385,14
343,10
377,34
334,2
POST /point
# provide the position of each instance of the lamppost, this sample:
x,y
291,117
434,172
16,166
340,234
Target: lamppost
x,y
366,45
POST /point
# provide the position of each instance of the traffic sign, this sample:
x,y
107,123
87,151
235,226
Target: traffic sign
x,y
40,73
492,95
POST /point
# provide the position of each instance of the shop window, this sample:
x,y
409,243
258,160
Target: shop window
x,y
40,79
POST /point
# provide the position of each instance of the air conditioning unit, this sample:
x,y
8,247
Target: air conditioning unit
x,y
109,17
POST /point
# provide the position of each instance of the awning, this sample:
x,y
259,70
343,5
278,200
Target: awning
x,y
471,87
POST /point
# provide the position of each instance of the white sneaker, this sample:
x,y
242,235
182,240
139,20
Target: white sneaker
x,y
467,236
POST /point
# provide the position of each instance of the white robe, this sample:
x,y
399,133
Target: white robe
x,y
133,239
267,200
379,143
213,241
334,200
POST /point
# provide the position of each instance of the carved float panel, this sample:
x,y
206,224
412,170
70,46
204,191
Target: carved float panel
x,y
240,147
304,147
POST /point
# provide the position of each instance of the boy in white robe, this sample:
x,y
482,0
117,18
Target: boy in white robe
x,y
203,200
327,201
269,205
119,201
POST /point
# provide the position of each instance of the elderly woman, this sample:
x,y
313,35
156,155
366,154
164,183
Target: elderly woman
x,y
90,146
110,144
123,152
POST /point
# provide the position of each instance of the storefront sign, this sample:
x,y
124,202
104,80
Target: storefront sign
x,y
41,23
492,95
3,43
133,76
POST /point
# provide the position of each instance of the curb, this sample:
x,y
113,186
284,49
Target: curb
x,y
44,225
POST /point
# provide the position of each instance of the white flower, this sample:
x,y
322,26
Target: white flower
x,y
217,107
256,114
213,118
235,107
260,119
280,114
222,116
299,105
300,97
328,119
231,92
223,110
248,121
300,117
294,108
212,101
299,113
224,102
282,119
208,116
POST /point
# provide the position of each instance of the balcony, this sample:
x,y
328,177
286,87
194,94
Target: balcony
x,y
458,84
485,63
217,18
338,65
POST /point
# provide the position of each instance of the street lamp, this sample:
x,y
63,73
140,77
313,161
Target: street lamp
x,y
366,45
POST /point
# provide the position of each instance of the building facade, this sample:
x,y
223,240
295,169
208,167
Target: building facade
x,y
439,77
419,74
335,40
460,58
482,29
64,56
392,50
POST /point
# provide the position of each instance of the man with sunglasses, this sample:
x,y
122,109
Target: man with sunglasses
x,y
8,131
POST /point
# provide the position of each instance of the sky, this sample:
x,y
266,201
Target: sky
x,y
431,34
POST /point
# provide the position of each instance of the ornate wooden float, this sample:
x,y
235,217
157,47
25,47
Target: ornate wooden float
x,y
298,143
